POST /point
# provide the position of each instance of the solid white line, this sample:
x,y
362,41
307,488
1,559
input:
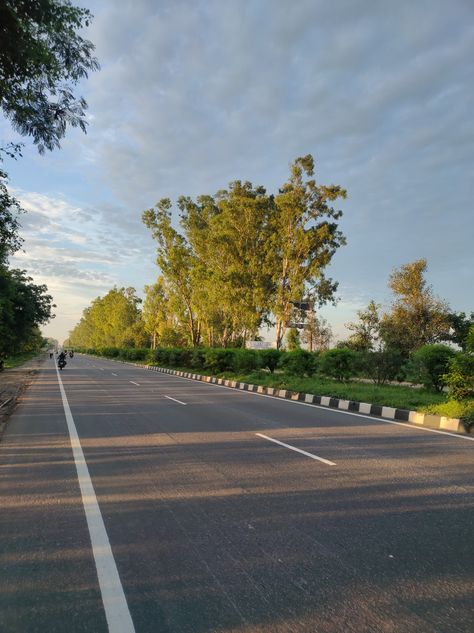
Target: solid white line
x,y
134,383
170,398
113,374
298,450
117,614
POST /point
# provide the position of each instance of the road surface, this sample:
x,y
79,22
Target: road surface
x,y
133,501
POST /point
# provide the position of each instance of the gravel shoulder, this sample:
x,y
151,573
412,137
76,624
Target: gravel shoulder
x,y
13,383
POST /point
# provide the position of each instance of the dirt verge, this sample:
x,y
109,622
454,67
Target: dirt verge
x,y
13,383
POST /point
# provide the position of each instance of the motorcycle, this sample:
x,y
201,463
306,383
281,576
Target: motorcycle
x,y
62,363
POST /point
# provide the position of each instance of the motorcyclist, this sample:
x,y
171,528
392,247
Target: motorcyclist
x,y
62,358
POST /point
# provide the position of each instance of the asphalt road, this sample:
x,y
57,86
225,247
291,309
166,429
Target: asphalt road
x,y
174,511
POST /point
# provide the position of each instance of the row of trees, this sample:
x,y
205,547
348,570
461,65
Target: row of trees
x,y
243,259
415,318
42,57
24,306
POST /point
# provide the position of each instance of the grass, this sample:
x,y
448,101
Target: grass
x,y
19,359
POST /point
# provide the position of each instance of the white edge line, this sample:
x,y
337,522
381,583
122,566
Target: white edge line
x,y
298,450
134,383
405,425
170,398
116,609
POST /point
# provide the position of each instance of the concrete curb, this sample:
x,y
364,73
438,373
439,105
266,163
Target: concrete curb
x,y
441,423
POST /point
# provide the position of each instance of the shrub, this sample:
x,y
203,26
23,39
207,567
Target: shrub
x,y
299,362
455,409
269,358
382,366
341,364
460,377
429,365
245,360
198,358
219,360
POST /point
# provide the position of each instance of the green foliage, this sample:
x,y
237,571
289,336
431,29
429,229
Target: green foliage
x,y
461,409
461,325
292,339
340,364
219,360
42,58
460,377
366,331
304,238
243,256
429,365
111,321
469,341
270,358
416,317
382,366
245,360
197,358
23,307
299,362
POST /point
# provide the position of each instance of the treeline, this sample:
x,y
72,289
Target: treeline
x,y
24,306
42,58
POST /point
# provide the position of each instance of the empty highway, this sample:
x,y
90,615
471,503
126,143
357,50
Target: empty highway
x,y
135,501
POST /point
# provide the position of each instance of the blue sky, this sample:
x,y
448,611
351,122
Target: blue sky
x,y
193,94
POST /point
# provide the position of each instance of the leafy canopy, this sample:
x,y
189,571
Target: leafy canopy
x,y
42,57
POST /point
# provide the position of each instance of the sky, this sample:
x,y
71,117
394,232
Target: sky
x,y
193,94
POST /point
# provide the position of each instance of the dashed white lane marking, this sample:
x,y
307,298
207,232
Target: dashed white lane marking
x,y
298,450
116,609
175,400
101,369
134,383
113,374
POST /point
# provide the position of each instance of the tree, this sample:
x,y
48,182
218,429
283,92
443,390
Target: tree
x,y
229,235
155,310
23,307
110,321
10,209
417,317
317,333
429,365
178,264
460,325
304,238
42,58
366,337
292,339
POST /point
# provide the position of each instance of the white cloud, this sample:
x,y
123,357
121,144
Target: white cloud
x,y
195,93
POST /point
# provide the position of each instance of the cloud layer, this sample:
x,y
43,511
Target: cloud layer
x,y
193,94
